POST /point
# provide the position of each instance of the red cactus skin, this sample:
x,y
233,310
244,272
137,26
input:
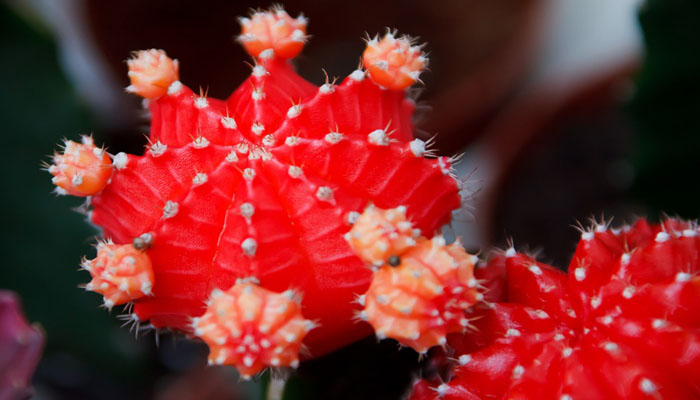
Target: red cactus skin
x,y
265,184
623,323
20,349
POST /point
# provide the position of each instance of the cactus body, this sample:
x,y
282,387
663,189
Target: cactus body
x,y
623,323
20,349
265,184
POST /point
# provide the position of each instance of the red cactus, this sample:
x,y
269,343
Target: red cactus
x,y
265,184
623,323
20,349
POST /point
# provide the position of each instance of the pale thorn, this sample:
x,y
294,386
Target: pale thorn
x,y
291,140
352,216
512,333
170,209
511,253
266,54
109,303
199,179
229,123
464,359
628,292
360,299
247,210
120,160
661,237
565,397
294,171
259,71
518,371
611,347
580,274
257,128
200,143
264,343
647,386
269,140
77,179
333,137
327,88
535,269
294,111
587,235
683,277
174,88
158,148
625,259
242,147
357,75
201,102
689,233
658,323
442,390
257,94
275,361
567,352
324,193
559,337
248,174
146,287
248,361
379,137
606,320
249,247
294,364
232,157
595,302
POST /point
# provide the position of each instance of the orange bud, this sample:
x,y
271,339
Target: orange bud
x,y
120,273
275,30
424,298
151,73
82,170
394,63
252,328
379,234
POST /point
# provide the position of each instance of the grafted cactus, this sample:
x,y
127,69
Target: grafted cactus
x,y
263,184
623,323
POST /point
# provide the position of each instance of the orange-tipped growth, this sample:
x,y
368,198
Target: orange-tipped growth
x,y
252,328
378,234
120,273
151,73
82,170
273,30
424,298
394,63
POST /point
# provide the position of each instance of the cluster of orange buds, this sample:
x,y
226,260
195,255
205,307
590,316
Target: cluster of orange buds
x,y
422,289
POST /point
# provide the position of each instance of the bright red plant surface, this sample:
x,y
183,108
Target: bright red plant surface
x,y
623,323
265,184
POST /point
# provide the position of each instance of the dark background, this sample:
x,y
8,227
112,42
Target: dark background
x,y
599,154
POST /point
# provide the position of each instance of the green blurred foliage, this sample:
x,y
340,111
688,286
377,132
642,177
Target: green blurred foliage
x,y
42,238
666,108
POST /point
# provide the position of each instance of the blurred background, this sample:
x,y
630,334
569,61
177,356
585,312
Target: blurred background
x,y
566,109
